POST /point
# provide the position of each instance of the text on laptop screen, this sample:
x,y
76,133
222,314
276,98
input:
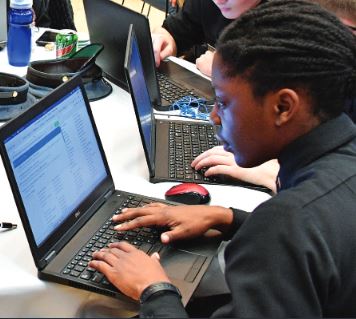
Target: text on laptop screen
x,y
141,95
56,162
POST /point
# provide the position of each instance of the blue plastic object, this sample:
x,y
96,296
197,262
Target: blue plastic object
x,y
19,35
192,107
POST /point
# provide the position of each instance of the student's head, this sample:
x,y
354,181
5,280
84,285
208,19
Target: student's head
x,y
232,9
280,70
345,10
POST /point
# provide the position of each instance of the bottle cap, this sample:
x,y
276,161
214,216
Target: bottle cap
x,y
21,4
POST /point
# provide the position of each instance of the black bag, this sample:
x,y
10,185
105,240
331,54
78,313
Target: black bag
x,y
14,96
46,75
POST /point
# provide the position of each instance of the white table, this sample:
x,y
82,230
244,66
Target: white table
x,y
22,294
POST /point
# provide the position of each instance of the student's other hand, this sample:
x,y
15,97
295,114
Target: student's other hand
x,y
221,162
130,270
183,221
173,3
163,45
204,63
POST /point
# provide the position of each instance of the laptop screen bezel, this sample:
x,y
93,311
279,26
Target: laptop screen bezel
x,y
150,159
56,240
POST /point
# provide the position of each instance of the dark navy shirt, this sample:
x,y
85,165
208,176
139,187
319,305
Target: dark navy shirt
x,y
295,254
198,22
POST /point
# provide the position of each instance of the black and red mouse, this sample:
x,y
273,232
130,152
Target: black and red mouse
x,y
188,193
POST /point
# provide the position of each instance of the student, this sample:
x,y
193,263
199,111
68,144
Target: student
x,y
56,14
219,161
198,22
294,255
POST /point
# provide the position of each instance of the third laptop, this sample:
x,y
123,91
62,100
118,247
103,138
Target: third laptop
x,y
108,23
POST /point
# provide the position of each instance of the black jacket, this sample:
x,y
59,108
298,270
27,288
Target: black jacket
x,y
56,14
295,255
198,22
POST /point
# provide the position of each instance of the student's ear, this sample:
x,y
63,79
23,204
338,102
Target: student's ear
x,y
287,103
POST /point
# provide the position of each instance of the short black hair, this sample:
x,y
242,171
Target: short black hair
x,y
296,44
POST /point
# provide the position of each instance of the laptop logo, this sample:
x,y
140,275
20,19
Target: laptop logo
x,y
77,214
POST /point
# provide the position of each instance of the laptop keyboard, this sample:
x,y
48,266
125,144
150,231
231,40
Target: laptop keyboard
x,y
186,142
145,239
170,91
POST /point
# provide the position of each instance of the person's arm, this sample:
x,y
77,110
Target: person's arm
x,y
165,305
220,162
41,16
277,265
163,45
186,27
183,221
135,273
132,271
61,14
205,62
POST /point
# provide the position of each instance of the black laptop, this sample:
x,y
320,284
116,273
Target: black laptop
x,y
65,195
170,146
108,23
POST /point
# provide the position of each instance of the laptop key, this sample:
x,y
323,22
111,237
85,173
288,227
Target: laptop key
x,y
97,277
105,282
75,273
86,275
79,268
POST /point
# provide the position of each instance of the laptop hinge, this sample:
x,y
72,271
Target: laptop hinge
x,y
51,255
107,195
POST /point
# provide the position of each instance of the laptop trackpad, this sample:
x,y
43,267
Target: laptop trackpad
x,y
182,265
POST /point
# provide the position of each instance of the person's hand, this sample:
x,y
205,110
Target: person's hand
x,y
173,3
130,270
205,62
221,162
183,221
164,45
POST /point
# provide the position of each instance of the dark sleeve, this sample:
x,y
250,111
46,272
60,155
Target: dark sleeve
x,y
61,14
239,217
277,265
186,27
163,305
41,11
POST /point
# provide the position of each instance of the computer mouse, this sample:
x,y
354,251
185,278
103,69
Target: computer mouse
x,y
188,193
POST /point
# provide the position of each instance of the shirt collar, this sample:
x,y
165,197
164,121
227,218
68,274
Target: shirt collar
x,y
307,148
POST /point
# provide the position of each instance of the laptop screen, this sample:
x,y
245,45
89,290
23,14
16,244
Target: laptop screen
x,y
56,162
140,94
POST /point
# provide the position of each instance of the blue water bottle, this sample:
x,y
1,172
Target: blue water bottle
x,y
19,35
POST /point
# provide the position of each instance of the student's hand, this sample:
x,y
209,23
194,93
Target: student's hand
x,y
130,270
205,62
222,162
183,221
163,45
173,3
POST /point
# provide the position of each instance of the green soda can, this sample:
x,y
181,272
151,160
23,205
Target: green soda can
x,y
66,44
